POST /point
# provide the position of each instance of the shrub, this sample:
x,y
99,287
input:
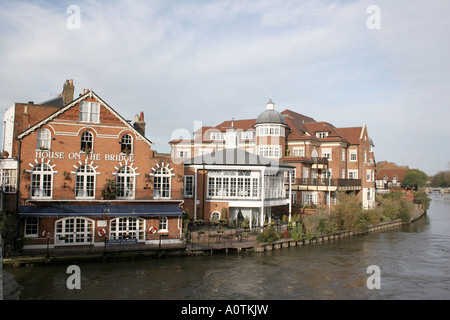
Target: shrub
x,y
311,224
347,209
397,195
297,231
406,210
269,235
361,224
422,198
328,225
375,215
391,208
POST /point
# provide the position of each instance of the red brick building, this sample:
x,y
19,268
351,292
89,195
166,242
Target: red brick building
x,y
85,175
327,159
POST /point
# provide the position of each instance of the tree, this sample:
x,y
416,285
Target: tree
x,y
414,177
441,179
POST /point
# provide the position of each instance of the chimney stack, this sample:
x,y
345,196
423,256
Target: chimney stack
x,y
139,123
68,90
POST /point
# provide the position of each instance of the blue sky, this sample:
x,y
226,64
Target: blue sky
x,y
209,61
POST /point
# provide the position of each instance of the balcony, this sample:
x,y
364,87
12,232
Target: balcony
x,y
325,184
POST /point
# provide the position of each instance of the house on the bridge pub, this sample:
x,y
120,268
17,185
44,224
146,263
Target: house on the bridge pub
x,y
78,173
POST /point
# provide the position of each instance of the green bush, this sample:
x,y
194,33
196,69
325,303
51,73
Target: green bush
x,y
406,210
375,215
311,224
422,198
297,231
347,209
328,225
361,224
391,208
397,195
269,235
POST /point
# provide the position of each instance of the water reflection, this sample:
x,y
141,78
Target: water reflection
x,y
413,260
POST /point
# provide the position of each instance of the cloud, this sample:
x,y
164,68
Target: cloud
x,y
182,61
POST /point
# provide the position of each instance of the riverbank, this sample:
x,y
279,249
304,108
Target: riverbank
x,y
78,255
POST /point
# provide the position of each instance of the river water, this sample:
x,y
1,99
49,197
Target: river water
x,y
413,263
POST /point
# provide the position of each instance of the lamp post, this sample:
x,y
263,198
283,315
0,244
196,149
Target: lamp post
x,y
329,192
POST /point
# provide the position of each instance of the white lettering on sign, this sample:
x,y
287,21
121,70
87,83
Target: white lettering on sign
x,y
77,156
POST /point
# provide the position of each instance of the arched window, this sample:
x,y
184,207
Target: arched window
x,y
85,182
162,181
41,181
74,231
125,180
87,139
126,144
127,228
43,139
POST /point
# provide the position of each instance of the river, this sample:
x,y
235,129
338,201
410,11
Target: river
x,y
413,263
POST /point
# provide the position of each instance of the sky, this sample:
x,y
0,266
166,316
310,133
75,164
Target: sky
x,y
382,63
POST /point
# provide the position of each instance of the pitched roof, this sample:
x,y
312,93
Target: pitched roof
x,y
89,94
351,134
390,173
246,124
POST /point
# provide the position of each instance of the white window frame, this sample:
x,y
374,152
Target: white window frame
x,y
43,188
9,180
368,175
163,224
184,153
322,134
233,184
247,135
162,183
327,153
127,226
353,174
87,141
31,227
126,182
83,174
44,138
126,140
216,135
270,130
309,197
298,152
89,111
74,231
270,151
353,155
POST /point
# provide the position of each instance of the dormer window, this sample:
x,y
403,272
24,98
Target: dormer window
x,y
90,111
321,135
216,135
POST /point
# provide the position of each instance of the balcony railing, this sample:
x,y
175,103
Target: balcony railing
x,y
327,182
